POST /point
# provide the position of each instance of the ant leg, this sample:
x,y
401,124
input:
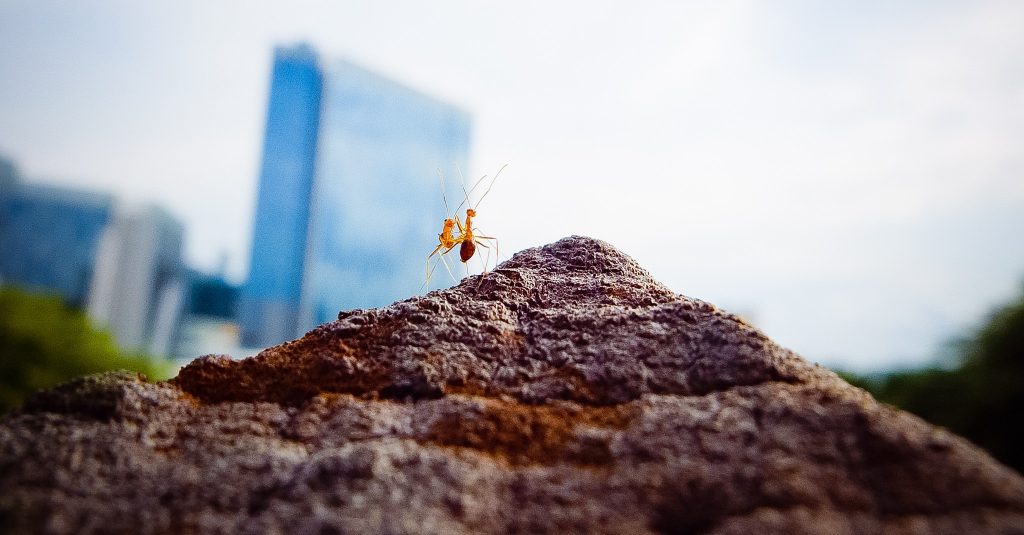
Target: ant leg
x,y
483,274
488,261
430,271
448,269
497,253
426,267
476,234
484,245
430,275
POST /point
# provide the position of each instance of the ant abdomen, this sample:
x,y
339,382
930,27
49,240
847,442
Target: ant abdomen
x,y
466,250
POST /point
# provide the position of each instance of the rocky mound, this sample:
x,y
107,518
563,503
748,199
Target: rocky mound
x,y
565,392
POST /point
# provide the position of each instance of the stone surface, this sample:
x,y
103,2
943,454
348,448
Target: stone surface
x,y
566,392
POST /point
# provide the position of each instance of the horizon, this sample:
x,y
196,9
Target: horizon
x,y
848,176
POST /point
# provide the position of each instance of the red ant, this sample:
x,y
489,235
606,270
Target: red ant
x,y
467,239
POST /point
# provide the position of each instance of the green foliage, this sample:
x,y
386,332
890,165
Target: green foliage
x,y
981,399
43,343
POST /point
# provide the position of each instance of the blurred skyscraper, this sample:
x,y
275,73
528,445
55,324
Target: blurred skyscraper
x,y
136,289
269,306
49,235
348,204
8,177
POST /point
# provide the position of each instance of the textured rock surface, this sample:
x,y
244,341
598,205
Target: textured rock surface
x,y
567,392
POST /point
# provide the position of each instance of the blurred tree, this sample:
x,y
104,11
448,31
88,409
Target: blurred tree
x,y
982,398
43,342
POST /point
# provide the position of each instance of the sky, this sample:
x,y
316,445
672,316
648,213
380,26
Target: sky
x,y
849,175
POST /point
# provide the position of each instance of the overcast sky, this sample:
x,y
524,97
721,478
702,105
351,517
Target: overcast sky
x,y
848,174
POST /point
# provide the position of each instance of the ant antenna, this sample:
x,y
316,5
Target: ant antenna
x,y
495,179
462,182
471,190
443,196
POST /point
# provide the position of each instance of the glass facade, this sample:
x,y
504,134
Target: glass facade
x,y
372,209
269,304
49,237
377,205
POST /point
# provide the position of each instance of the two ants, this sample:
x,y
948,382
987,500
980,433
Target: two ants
x,y
467,238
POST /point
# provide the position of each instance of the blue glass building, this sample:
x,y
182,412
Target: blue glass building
x,y
269,304
49,237
373,208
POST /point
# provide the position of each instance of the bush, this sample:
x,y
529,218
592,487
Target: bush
x,y
43,342
982,398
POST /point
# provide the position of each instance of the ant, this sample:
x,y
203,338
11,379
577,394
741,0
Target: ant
x,y
466,239
445,239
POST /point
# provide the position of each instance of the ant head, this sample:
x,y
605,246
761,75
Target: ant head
x,y
449,223
470,212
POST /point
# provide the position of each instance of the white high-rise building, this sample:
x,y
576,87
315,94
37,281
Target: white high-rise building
x,y
136,289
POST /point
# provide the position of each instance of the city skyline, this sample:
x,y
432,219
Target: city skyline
x,y
120,264
848,174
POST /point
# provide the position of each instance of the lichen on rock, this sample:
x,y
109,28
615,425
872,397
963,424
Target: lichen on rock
x,y
566,392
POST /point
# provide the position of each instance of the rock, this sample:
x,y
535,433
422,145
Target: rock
x,y
565,392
